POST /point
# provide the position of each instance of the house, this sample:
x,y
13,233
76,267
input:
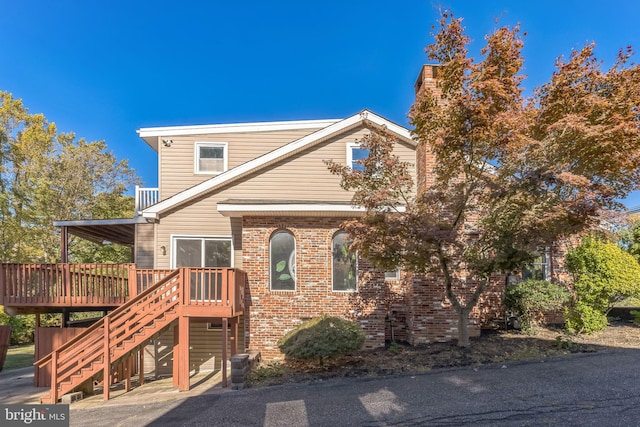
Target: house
x,y
240,243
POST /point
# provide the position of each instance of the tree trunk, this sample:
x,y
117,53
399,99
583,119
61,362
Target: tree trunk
x,y
463,327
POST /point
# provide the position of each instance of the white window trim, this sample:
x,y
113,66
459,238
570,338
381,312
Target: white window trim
x,y
350,147
333,289
295,254
176,237
196,156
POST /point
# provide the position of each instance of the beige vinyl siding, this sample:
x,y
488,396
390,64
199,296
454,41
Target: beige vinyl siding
x,y
205,349
145,237
303,176
176,163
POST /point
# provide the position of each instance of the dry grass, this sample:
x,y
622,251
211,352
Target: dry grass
x,y
490,347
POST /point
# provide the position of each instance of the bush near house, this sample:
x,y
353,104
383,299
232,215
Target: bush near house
x,y
603,275
532,298
322,337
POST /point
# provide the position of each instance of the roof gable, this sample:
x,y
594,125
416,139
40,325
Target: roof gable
x,y
276,155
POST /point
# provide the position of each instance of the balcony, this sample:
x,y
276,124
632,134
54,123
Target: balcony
x,y
145,197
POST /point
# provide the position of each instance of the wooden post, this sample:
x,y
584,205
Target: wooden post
x,y
141,366
64,242
184,354
223,363
54,377
176,355
106,380
127,373
234,336
133,282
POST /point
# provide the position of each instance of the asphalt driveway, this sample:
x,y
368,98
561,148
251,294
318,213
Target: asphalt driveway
x,y
589,389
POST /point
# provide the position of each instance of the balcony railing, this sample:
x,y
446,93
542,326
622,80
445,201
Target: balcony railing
x,y
145,197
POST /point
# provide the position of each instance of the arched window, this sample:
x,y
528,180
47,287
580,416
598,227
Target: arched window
x,y
345,263
282,261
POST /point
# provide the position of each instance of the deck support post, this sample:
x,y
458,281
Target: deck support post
x,y
225,327
234,336
183,378
141,366
127,373
176,355
106,375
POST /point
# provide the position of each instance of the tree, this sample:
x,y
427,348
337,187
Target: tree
x,y
512,173
46,176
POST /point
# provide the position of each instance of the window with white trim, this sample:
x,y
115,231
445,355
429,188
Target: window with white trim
x,y
282,261
355,155
210,157
204,252
344,263
209,252
540,268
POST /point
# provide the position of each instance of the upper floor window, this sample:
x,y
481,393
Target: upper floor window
x,y
355,156
282,261
540,268
344,263
211,157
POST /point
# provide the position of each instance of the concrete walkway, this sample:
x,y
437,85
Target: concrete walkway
x,y
16,387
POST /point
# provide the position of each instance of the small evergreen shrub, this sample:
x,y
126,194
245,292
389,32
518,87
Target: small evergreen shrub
x,y
322,337
531,298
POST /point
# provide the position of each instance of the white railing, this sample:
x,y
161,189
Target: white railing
x,y
145,197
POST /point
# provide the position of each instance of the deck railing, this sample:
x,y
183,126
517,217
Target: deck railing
x,y
145,197
104,285
66,285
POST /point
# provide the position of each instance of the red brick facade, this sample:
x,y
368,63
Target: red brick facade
x,y
413,310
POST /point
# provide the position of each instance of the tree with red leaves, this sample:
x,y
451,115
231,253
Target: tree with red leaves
x,y
512,173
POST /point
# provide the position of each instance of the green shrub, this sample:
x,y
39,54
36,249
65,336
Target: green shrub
x,y
531,298
322,337
603,274
582,318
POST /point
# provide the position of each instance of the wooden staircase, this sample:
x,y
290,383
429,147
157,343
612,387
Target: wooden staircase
x,y
123,332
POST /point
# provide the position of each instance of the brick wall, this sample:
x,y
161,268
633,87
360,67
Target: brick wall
x,y
274,313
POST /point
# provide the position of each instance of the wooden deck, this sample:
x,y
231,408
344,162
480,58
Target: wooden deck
x,y
42,288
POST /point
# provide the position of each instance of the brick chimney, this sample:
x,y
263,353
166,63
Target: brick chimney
x,y
425,160
427,78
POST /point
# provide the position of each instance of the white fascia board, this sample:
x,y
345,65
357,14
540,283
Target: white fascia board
x,y
295,207
234,128
154,211
392,127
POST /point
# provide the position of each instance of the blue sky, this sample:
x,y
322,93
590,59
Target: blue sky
x,y
104,69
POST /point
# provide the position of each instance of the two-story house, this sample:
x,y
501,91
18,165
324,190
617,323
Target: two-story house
x,y
240,243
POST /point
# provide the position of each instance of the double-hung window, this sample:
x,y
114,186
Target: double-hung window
x,y
210,157
355,156
540,268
